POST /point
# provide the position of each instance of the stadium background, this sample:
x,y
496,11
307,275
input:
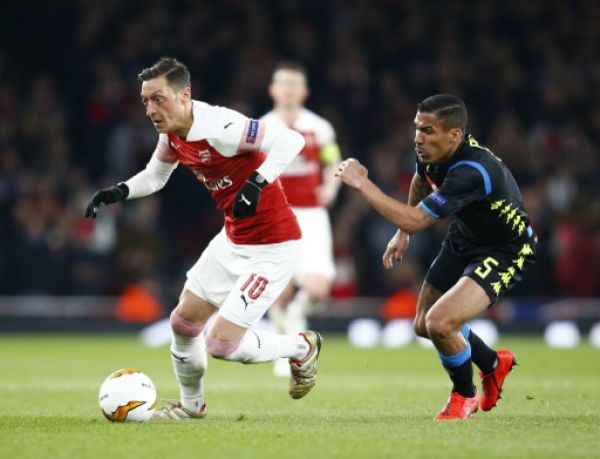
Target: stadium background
x,y
72,122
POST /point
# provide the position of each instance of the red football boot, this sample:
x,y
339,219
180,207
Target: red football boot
x,y
458,407
491,383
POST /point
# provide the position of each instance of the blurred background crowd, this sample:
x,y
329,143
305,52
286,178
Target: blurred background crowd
x,y
71,121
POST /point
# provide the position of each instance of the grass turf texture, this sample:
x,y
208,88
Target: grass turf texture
x,y
368,403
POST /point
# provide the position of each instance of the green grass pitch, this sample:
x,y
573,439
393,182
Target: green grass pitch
x,y
376,403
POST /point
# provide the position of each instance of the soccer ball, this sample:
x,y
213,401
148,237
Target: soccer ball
x,y
127,395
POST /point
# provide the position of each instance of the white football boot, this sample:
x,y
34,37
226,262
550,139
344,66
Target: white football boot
x,y
304,372
175,411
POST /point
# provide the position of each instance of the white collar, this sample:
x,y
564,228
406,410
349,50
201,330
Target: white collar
x,y
196,133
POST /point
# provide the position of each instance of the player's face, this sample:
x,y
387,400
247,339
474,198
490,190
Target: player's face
x,y
433,143
288,89
165,105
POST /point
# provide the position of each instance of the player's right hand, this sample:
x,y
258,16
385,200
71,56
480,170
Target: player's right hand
x,y
352,173
106,196
395,249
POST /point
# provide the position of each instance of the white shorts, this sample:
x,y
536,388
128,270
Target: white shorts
x,y
316,253
243,281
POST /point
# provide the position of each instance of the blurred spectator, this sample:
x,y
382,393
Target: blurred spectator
x,y
528,71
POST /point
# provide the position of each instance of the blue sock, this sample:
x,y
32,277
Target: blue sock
x,y
466,331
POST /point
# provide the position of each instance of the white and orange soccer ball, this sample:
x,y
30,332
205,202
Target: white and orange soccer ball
x,y
127,395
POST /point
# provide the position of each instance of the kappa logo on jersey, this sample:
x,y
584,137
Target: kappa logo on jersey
x,y
219,184
252,131
204,156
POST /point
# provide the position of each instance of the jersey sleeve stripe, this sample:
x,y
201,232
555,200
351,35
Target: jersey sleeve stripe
x,y
427,210
487,182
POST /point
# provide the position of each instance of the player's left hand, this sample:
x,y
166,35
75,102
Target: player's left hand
x,y
246,200
395,249
352,173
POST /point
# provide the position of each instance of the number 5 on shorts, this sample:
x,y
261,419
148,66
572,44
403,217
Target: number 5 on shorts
x,y
487,263
258,285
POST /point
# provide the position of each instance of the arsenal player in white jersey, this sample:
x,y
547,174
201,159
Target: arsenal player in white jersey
x,y
311,188
248,264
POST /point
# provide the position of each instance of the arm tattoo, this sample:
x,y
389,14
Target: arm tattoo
x,y
419,189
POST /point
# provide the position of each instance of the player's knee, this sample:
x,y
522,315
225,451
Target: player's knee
x,y
438,326
184,327
420,328
220,349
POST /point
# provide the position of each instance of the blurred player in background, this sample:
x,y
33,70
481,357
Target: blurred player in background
x,y
248,264
489,244
311,188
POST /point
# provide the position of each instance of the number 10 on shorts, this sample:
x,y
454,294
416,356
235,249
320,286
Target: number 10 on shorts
x,y
255,284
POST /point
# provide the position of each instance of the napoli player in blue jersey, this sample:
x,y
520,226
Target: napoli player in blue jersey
x,y
489,246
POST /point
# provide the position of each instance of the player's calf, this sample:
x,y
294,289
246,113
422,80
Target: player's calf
x,y
258,346
188,354
221,349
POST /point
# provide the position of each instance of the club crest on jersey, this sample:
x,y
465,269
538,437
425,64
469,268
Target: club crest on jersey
x,y
204,156
252,131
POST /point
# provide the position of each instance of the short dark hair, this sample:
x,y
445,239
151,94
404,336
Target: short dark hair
x,y
176,73
448,108
291,65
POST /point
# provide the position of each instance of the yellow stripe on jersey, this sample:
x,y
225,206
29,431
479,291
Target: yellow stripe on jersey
x,y
330,153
